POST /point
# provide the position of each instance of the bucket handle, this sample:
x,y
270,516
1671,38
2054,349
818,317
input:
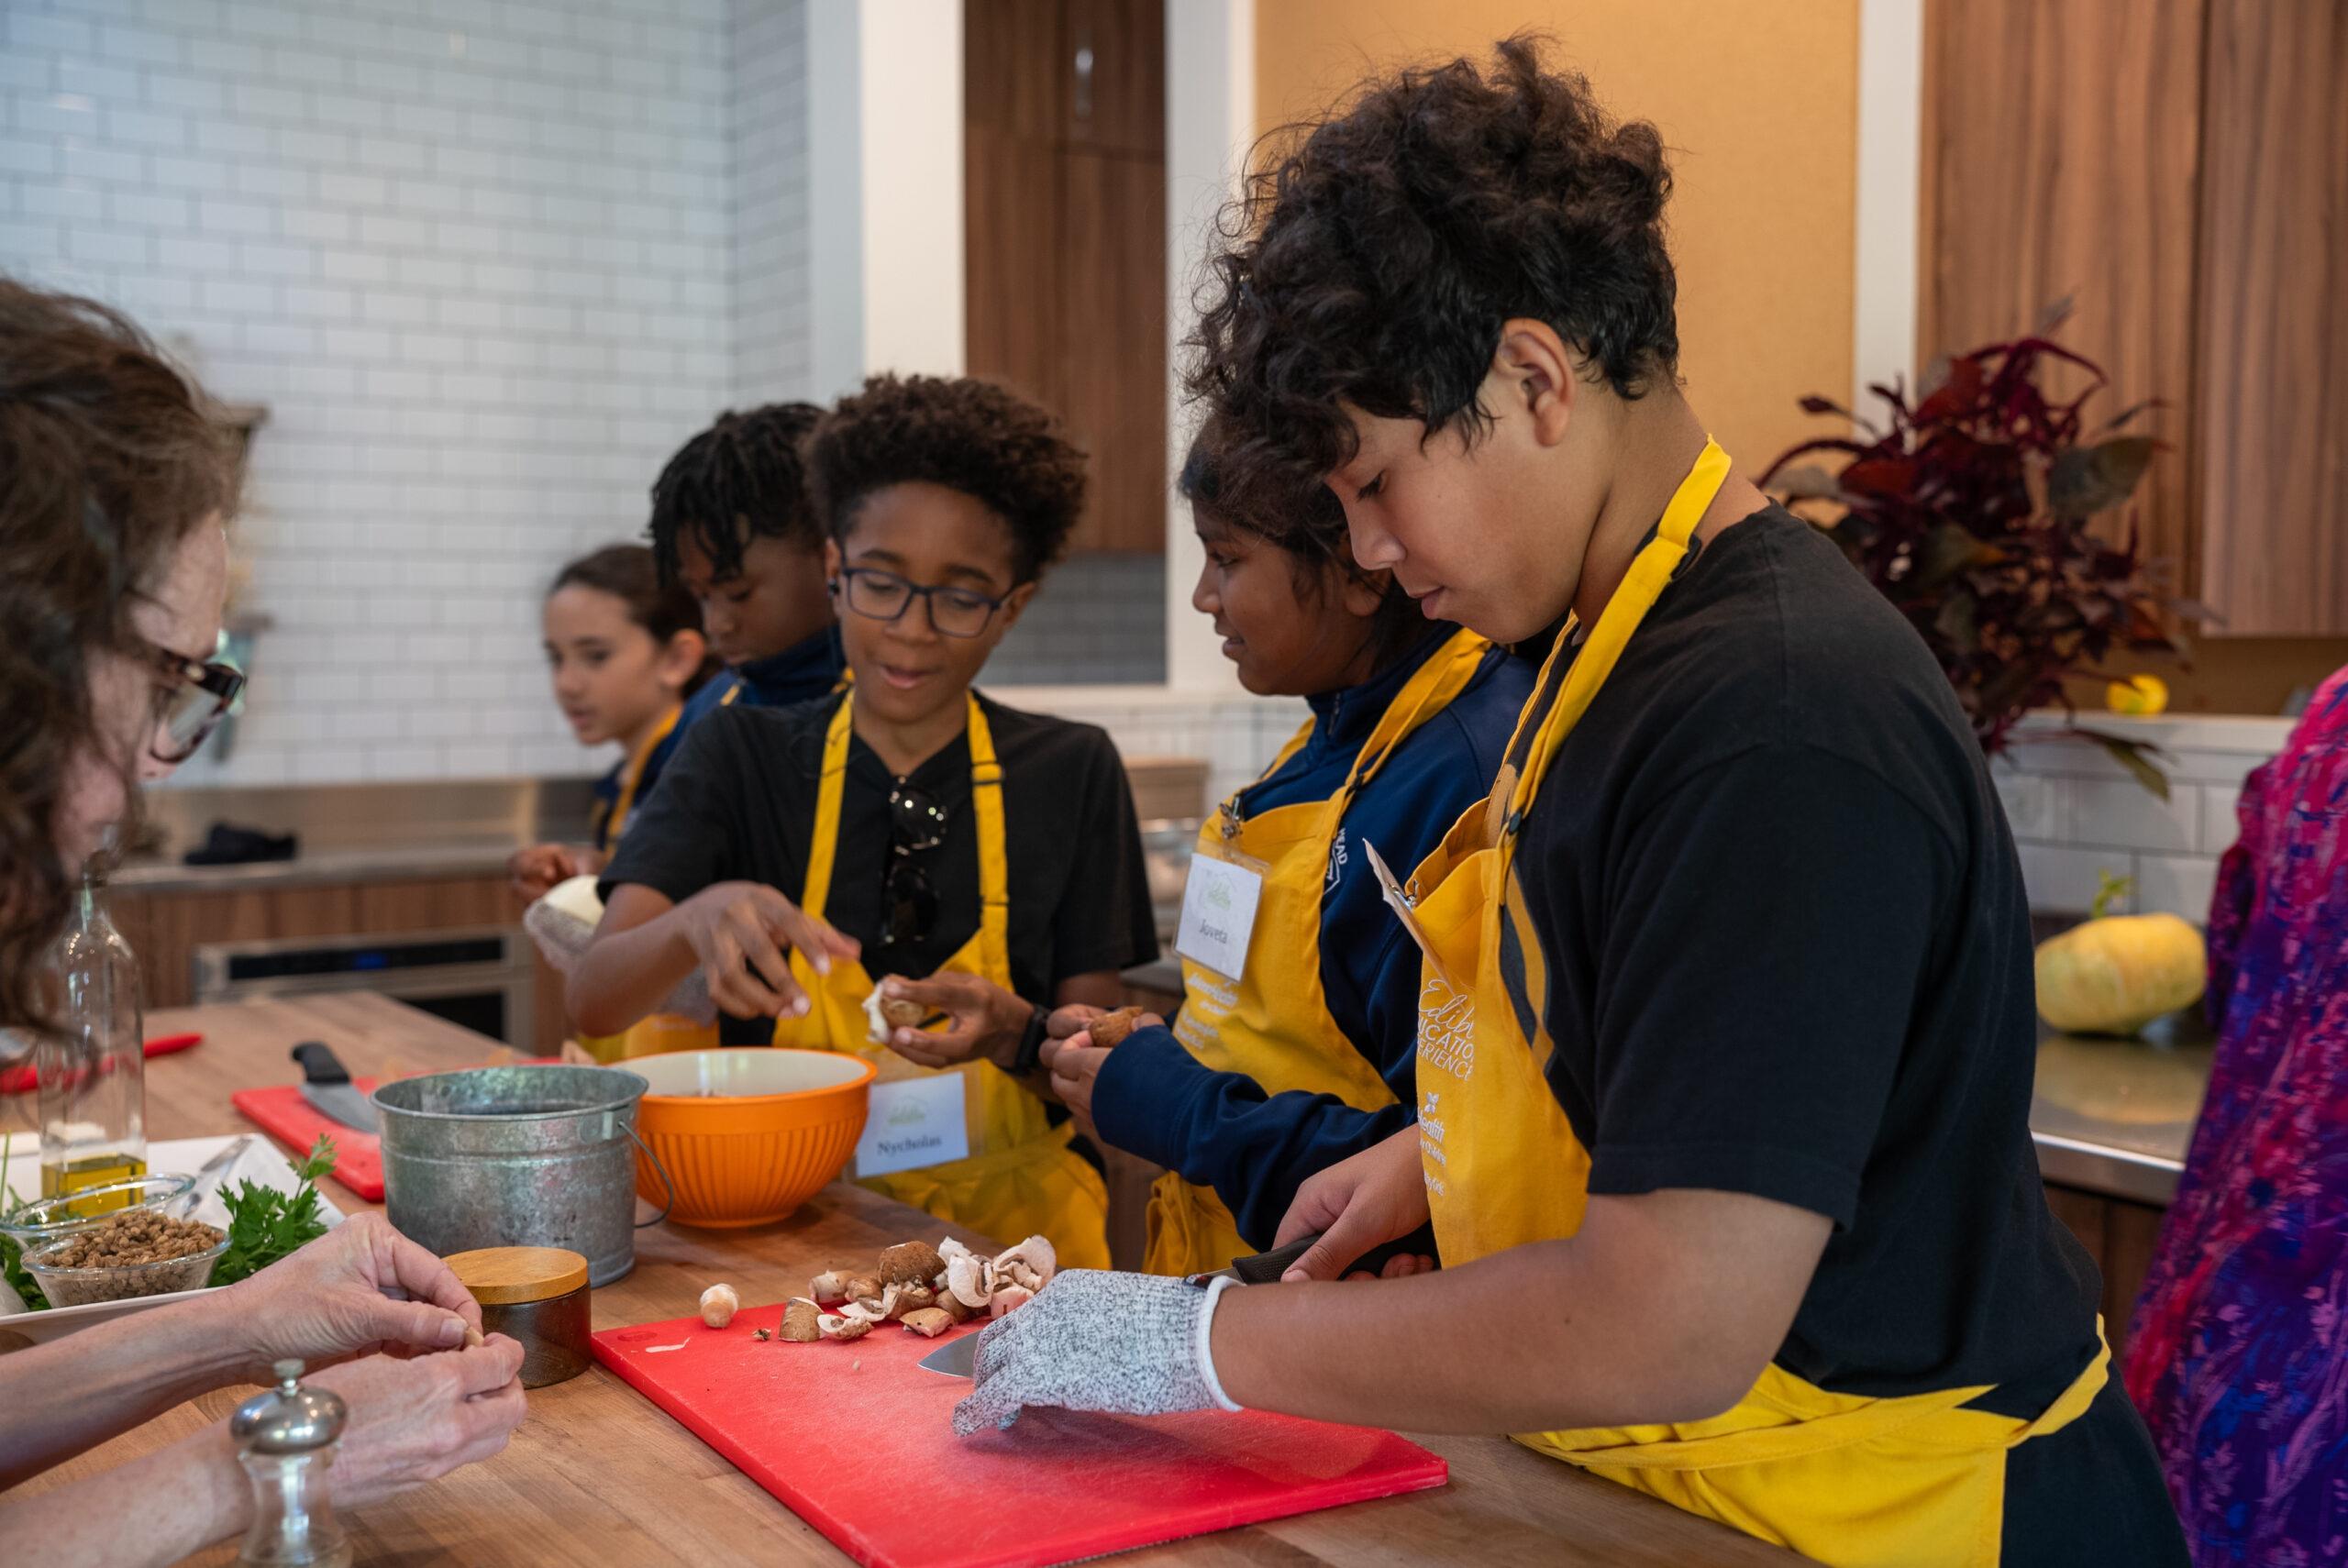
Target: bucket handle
x,y
667,1186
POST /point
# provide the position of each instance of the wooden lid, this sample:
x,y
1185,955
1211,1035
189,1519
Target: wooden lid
x,y
503,1277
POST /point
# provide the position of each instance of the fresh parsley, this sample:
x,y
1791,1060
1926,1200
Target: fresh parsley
x,y
265,1225
12,1258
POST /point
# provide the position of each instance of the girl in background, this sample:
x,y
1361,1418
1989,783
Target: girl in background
x,y
625,653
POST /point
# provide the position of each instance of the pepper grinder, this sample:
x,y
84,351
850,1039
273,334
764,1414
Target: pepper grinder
x,y
285,1441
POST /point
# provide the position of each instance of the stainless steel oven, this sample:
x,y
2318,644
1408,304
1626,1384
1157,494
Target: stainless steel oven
x,y
481,978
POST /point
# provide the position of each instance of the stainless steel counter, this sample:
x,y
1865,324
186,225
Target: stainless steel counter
x,y
397,862
2116,1117
2112,1117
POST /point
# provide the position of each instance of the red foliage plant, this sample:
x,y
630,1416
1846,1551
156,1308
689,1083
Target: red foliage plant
x,y
1969,512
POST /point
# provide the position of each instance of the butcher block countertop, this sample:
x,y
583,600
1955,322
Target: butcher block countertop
x,y
597,1475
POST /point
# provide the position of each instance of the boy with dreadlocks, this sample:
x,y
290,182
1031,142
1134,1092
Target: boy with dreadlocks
x,y
731,522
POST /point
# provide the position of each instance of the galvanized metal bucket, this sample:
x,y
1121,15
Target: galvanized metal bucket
x,y
516,1157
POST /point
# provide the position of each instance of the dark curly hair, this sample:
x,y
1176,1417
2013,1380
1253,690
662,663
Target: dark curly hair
x,y
740,480
1374,262
108,460
982,439
1303,518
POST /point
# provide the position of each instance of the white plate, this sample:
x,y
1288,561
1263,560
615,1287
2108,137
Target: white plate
x,y
260,1162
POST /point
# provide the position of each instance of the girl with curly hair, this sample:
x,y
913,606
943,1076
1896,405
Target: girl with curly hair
x,y
982,863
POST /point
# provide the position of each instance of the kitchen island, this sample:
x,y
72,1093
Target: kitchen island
x,y
598,1475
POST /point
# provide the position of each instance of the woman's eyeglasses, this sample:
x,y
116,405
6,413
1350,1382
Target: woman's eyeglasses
x,y
908,901
190,699
884,596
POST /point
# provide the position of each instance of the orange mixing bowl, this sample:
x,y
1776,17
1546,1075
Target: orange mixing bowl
x,y
747,1135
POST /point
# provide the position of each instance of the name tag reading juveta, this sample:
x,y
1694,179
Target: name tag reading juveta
x,y
1218,915
913,1122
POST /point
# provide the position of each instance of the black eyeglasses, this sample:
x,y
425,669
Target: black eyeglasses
x,y
190,702
908,901
884,596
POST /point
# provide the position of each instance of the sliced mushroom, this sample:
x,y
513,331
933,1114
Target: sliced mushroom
x,y
836,1326
801,1321
832,1284
1038,1255
956,1307
966,1280
928,1321
1009,1296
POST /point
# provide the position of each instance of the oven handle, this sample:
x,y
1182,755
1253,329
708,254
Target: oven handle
x,y
667,1186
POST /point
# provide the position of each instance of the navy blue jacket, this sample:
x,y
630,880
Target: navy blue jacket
x,y
1220,1130
807,669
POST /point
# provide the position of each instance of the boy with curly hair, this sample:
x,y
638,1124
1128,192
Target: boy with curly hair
x,y
1725,1048
984,862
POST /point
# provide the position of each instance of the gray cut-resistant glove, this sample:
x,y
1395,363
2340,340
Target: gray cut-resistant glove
x,y
1134,1344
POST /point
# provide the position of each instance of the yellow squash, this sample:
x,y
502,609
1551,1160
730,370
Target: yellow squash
x,y
2114,974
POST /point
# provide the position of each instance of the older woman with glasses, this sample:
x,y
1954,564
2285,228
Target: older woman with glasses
x,y
981,863
113,568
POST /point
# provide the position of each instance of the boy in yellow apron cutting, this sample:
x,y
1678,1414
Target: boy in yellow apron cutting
x,y
1293,1050
1726,1042
907,826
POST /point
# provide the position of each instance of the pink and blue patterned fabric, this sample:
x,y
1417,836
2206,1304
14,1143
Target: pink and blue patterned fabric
x,y
2238,1356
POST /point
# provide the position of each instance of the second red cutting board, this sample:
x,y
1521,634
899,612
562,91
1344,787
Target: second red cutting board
x,y
854,1440
294,1121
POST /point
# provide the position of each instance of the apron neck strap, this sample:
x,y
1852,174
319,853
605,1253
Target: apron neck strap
x,y
1429,690
1651,571
986,805
633,779
994,859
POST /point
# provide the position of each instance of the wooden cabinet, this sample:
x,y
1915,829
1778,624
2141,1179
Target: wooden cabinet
x,y
1065,204
2120,1235
2179,167
2272,390
165,927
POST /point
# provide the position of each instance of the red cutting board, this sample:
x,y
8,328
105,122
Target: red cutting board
x,y
855,1440
294,1121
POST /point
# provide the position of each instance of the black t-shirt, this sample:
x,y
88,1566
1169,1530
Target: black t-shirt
x,y
738,802
1786,952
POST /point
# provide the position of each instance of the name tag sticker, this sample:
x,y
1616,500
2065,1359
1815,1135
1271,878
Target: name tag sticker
x,y
913,1122
1218,915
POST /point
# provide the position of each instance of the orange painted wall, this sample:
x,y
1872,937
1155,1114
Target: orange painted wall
x,y
1758,100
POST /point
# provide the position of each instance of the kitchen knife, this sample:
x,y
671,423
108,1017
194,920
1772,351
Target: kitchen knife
x,y
959,1356
326,1085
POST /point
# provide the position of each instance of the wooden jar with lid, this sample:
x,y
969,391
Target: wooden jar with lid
x,y
537,1296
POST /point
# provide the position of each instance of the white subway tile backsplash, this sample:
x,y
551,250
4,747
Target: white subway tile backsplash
x,y
427,242
2219,825
2125,814
2180,884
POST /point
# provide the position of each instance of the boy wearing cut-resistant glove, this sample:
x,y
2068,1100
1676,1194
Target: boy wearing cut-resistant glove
x,y
1726,1041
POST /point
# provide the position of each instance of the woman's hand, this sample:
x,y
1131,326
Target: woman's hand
x,y
413,1422
739,931
533,872
1376,1197
985,1021
359,1288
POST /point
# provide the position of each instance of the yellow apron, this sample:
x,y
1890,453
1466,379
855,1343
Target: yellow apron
x,y
1272,1024
1020,1178
661,1032
1851,1481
